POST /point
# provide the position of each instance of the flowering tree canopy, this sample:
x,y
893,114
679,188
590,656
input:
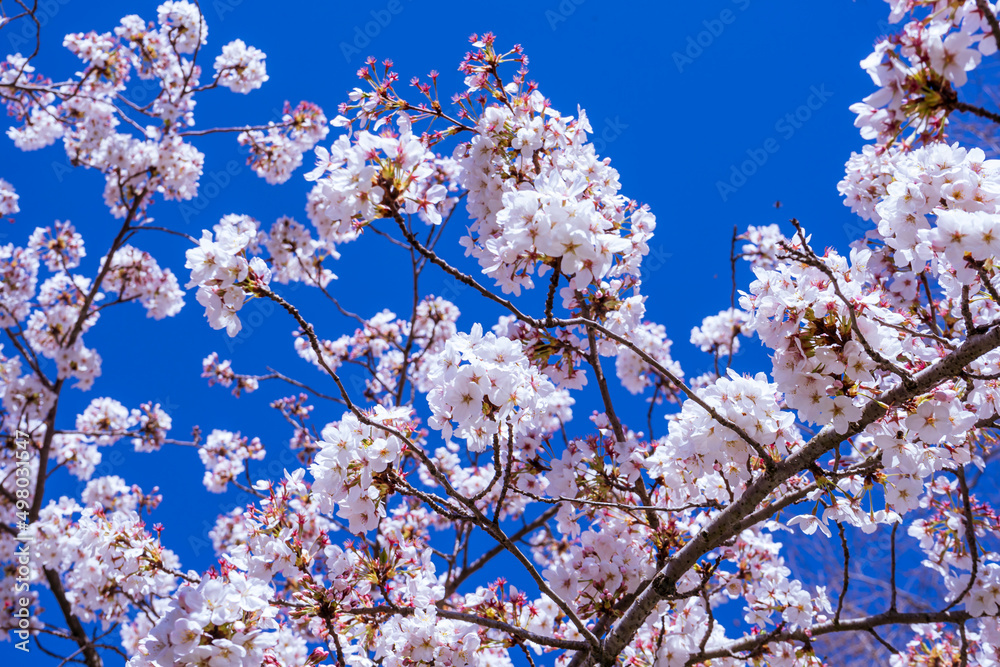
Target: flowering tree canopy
x,y
458,448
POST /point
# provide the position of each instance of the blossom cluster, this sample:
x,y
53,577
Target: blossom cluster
x,y
225,619
884,375
104,422
702,445
19,270
222,373
284,537
633,372
542,199
8,199
240,68
352,455
821,361
113,494
224,454
106,556
277,151
763,245
602,564
134,274
366,176
719,333
222,273
295,255
485,386
931,54
934,202
60,247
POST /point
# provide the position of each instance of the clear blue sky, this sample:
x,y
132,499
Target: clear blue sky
x,y
678,93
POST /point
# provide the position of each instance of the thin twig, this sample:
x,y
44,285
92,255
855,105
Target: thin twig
x,y
847,574
892,574
970,535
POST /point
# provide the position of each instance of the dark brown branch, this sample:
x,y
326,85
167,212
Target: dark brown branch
x,y
847,572
889,647
978,111
892,574
970,535
864,623
90,654
722,525
967,312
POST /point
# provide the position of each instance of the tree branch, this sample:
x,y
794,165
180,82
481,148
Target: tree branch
x,y
722,525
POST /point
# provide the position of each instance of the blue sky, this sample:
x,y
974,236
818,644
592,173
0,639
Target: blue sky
x,y
682,96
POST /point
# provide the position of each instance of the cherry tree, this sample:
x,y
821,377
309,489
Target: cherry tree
x,y
876,413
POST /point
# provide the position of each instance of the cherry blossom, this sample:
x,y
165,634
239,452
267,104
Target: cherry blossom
x,y
8,199
433,500
224,454
240,68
